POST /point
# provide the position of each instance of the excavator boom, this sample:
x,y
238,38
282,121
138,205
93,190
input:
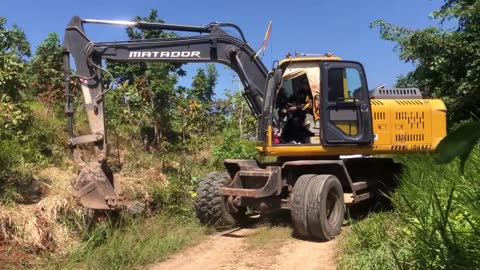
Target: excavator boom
x,y
95,187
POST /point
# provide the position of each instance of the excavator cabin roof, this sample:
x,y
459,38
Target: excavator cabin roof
x,y
303,57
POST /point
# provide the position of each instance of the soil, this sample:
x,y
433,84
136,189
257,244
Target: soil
x,y
230,250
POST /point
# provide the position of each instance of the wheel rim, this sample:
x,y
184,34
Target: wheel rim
x,y
332,207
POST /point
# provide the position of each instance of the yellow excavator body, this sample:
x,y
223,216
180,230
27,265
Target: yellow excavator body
x,y
400,125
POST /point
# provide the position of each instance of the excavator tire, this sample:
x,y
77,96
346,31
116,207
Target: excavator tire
x,y
210,206
317,206
326,208
299,205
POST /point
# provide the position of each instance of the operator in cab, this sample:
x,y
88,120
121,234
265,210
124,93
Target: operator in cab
x,y
295,109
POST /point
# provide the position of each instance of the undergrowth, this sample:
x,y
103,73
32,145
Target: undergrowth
x,y
435,223
165,182
132,242
22,154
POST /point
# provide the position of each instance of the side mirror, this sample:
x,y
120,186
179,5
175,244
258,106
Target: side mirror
x,y
278,77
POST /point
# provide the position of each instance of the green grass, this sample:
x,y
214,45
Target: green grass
x,y
135,243
435,224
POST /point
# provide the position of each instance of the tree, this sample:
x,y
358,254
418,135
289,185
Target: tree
x,y
14,48
197,110
203,84
239,116
155,82
406,81
447,60
238,129
46,72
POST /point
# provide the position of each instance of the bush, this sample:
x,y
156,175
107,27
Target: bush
x,y
369,244
24,148
16,179
435,224
232,146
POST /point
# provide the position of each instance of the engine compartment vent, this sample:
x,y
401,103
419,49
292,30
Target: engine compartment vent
x,y
396,93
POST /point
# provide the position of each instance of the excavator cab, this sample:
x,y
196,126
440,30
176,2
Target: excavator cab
x,y
322,92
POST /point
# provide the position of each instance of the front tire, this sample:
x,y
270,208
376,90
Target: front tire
x,y
210,206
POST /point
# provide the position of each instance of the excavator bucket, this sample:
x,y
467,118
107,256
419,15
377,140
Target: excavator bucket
x,y
95,190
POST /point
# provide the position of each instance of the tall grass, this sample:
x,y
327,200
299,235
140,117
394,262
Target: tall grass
x,y
435,224
132,243
168,225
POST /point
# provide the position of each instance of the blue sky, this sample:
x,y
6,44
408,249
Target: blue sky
x,y
310,26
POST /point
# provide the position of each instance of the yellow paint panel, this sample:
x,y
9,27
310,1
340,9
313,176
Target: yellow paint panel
x,y
345,84
348,127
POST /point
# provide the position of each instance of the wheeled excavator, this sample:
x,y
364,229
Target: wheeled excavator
x,y
315,114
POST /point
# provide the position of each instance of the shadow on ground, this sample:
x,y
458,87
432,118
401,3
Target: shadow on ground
x,y
354,212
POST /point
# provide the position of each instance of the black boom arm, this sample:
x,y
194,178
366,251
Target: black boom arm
x,y
211,45
95,187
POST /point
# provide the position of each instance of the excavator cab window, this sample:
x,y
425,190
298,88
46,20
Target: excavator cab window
x,y
345,84
286,92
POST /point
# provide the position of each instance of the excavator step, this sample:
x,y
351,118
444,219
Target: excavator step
x,y
359,186
259,173
362,197
348,198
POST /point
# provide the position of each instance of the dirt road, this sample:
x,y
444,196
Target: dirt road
x,y
235,249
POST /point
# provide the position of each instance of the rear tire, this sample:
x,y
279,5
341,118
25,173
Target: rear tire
x,y
326,210
318,207
210,206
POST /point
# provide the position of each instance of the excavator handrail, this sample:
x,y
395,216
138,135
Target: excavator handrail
x,y
209,28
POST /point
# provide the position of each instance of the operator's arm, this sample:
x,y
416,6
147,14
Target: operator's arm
x,y
303,106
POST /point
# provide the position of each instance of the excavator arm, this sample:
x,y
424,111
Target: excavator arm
x,y
95,187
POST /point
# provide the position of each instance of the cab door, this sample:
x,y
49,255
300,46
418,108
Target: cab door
x,y
345,106
272,84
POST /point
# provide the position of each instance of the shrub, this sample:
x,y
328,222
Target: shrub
x,y
232,146
435,224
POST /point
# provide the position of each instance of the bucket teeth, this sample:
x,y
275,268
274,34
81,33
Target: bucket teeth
x,y
95,190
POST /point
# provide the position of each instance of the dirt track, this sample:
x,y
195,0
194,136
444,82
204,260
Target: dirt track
x,y
230,250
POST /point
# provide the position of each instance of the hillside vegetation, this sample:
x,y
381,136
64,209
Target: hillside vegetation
x,y
162,139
